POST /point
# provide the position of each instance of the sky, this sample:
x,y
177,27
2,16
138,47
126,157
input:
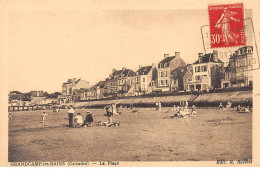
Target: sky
x,y
49,47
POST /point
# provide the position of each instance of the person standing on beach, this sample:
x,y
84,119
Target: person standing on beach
x,y
159,106
44,117
110,114
71,115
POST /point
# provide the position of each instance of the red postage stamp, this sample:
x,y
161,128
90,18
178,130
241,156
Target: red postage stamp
x,y
226,25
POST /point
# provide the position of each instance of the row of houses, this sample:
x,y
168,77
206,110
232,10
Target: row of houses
x,y
17,98
171,74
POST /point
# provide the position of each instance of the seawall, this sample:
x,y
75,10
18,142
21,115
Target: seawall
x,y
199,100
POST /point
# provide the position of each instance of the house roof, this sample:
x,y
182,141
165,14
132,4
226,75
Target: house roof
x,y
144,70
101,83
116,74
77,81
166,60
17,92
208,58
180,71
127,73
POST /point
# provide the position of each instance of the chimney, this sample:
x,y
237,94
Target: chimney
x,y
123,68
200,55
177,54
215,55
113,70
153,65
166,55
140,66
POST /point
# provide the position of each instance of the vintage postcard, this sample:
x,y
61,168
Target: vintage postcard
x,y
129,83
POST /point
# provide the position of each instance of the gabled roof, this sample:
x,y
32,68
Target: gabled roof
x,y
227,68
116,74
122,73
180,71
144,70
17,92
127,73
101,83
77,81
208,58
166,60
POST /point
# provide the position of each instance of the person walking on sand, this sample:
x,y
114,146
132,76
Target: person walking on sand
x,y
71,115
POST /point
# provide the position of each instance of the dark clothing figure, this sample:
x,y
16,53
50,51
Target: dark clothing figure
x,y
109,114
71,115
248,104
89,118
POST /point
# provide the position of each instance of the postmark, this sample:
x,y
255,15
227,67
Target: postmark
x,y
249,62
226,25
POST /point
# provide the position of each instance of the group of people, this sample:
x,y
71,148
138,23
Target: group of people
x,y
182,111
245,108
228,105
77,120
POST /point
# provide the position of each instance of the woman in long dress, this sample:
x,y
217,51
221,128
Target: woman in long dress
x,y
224,23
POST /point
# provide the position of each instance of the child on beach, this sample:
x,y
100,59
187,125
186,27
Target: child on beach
x,y
78,120
221,106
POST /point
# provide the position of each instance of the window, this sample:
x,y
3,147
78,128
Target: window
x,y
197,77
197,69
161,82
227,75
166,82
151,83
137,79
203,68
166,73
143,79
161,74
204,76
175,81
189,80
161,65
